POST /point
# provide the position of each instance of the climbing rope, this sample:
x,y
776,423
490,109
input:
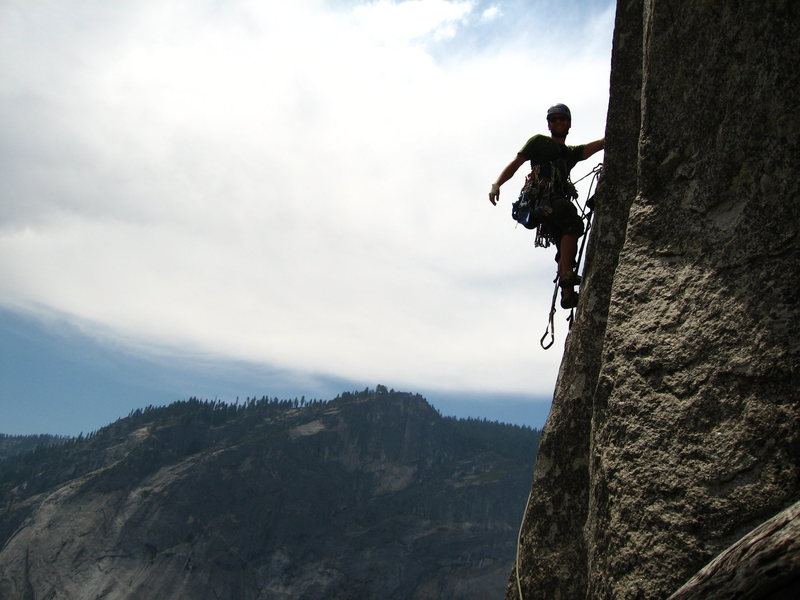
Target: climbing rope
x,y
594,172
551,328
519,544
587,210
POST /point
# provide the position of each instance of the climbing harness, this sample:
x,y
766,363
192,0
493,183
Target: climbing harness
x,y
587,211
545,183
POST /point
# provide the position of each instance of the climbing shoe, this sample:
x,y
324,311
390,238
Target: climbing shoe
x,y
570,280
569,298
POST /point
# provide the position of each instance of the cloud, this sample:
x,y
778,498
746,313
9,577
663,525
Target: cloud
x,y
491,13
404,22
286,183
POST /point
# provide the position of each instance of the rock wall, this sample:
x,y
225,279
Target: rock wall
x,y
675,426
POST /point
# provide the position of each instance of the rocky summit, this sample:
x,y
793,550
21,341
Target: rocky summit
x,y
370,495
675,427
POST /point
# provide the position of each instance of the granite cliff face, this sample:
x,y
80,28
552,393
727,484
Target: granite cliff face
x,y
675,427
372,495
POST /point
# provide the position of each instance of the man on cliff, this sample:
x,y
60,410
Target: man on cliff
x,y
552,160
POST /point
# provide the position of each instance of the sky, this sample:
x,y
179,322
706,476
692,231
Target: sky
x,y
237,198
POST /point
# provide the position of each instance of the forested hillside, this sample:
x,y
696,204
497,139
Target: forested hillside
x,y
371,494
12,445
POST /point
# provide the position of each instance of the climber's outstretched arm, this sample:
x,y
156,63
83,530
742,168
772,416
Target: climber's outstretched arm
x,y
505,175
592,147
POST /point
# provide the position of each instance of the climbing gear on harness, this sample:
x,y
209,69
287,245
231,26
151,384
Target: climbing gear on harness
x,y
546,184
587,210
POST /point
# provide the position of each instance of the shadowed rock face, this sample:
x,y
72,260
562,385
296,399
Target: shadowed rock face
x,y
675,427
368,496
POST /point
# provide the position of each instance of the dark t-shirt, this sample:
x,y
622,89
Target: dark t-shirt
x,y
541,149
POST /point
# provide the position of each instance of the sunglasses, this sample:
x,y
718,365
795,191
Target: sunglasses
x,y
555,118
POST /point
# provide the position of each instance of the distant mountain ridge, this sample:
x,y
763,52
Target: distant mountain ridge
x,y
371,495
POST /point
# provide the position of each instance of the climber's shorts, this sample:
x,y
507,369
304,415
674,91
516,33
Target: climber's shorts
x,y
564,220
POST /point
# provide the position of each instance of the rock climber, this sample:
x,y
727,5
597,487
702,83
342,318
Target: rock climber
x,y
562,222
